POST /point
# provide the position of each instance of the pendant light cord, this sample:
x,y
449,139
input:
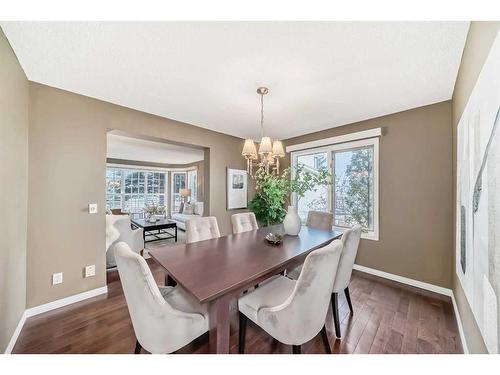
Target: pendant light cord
x,y
261,115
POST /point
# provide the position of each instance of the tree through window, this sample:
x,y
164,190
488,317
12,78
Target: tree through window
x,y
353,196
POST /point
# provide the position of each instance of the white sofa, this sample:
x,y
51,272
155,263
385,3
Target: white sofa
x,y
180,218
118,229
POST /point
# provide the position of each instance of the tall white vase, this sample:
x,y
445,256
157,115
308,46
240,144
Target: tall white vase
x,y
292,222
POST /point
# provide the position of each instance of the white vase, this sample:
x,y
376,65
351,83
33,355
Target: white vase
x,y
292,222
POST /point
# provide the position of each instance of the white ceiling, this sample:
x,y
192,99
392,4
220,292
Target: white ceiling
x,y
127,148
320,74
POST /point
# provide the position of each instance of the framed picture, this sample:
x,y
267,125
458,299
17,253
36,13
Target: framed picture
x,y
237,187
477,200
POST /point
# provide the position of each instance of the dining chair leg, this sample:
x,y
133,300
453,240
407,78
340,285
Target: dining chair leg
x,y
296,349
138,347
242,334
348,297
335,309
326,343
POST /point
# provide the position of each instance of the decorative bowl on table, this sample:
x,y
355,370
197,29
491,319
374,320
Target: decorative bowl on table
x,y
274,238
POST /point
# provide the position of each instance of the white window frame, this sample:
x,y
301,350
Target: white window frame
x,y
194,193
374,142
172,194
139,169
293,158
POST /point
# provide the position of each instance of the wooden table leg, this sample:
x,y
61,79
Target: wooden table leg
x,y
219,325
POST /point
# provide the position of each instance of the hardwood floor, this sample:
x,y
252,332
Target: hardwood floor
x,y
388,318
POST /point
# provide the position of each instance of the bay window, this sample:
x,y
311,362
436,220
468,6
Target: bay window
x,y
131,189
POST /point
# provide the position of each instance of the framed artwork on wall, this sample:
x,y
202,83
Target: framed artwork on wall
x,y
236,189
478,200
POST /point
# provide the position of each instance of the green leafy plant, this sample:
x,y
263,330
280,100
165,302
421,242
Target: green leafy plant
x,y
306,179
273,191
268,204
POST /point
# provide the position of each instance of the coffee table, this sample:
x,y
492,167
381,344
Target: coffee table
x,y
157,230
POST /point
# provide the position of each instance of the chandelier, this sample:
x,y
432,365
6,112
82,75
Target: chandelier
x,y
268,157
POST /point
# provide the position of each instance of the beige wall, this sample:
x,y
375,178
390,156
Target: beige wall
x,y
415,193
14,101
67,171
479,40
67,153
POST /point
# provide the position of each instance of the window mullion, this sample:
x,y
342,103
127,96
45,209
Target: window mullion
x,y
332,189
122,190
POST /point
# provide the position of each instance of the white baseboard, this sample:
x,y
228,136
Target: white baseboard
x,y
103,290
16,333
460,326
51,306
425,286
405,280
65,301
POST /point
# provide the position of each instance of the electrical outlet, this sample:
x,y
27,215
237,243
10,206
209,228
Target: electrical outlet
x,y
90,270
92,208
57,278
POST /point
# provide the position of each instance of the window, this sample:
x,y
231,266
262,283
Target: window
x,y
192,177
313,200
178,182
320,160
114,185
353,192
353,196
131,189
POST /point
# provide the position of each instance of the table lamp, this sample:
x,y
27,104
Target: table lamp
x,y
185,193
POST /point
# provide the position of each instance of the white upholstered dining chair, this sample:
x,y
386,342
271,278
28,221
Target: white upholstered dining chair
x,y
350,243
294,312
318,220
244,222
164,318
201,228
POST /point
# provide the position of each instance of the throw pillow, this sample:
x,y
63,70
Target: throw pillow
x,y
188,209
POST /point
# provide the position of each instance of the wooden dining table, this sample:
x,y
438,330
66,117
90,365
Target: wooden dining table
x,y
218,270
